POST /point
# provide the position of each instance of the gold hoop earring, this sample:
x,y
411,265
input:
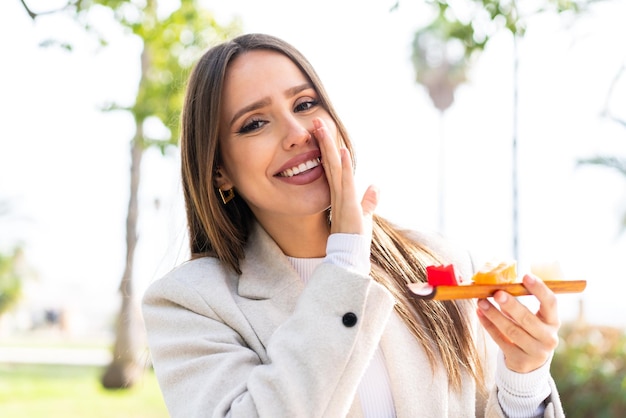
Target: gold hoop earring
x,y
227,195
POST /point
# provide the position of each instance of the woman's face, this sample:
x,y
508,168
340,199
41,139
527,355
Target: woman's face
x,y
269,153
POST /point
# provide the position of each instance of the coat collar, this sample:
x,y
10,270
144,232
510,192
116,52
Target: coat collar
x,y
265,270
269,285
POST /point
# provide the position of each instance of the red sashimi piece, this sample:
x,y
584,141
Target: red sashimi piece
x,y
443,275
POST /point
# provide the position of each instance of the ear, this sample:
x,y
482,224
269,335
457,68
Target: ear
x,y
221,180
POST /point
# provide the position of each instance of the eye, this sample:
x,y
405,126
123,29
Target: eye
x,y
305,104
251,125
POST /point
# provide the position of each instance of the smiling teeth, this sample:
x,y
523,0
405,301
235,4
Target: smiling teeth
x,y
290,172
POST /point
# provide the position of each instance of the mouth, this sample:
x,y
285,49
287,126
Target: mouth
x,y
300,168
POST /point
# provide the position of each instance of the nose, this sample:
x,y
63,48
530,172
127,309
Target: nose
x,y
296,132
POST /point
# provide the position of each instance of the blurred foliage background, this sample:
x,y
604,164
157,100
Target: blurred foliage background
x,y
589,368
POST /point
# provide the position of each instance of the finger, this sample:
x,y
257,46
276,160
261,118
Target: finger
x,y
518,347
347,212
347,173
370,201
331,159
514,357
368,206
524,328
485,313
331,162
548,309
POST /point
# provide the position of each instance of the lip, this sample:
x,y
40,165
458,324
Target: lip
x,y
306,177
299,159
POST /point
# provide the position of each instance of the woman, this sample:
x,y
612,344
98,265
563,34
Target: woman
x,y
294,303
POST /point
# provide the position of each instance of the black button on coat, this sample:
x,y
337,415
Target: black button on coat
x,y
349,319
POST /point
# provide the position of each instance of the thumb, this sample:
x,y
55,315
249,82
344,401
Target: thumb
x,y
370,201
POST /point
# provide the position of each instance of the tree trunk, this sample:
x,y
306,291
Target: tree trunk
x,y
125,367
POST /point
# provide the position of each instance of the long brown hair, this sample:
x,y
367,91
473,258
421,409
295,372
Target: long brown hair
x,y
221,231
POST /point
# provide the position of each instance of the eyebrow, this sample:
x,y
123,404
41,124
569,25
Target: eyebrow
x,y
297,89
253,106
292,91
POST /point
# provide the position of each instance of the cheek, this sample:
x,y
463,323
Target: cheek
x,y
245,165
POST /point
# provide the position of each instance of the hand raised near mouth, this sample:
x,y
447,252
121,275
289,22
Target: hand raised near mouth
x,y
349,215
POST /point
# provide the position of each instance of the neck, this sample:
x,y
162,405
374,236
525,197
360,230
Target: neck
x,y
298,237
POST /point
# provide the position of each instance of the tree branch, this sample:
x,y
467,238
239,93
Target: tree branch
x,y
615,119
606,111
616,78
33,15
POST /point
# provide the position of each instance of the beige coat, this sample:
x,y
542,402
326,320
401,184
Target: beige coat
x,y
263,344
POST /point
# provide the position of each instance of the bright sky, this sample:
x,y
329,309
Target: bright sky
x,y
64,164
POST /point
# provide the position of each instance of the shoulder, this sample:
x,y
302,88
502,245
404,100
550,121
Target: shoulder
x,y
194,271
198,279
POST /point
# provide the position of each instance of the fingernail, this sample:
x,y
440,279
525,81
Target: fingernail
x,y
501,297
483,304
530,279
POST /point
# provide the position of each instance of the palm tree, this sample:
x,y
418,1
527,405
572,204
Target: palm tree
x,y
440,71
469,35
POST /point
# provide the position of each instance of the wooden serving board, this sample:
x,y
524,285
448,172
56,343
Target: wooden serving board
x,y
481,291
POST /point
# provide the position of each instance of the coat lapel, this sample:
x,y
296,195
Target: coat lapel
x,y
268,285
